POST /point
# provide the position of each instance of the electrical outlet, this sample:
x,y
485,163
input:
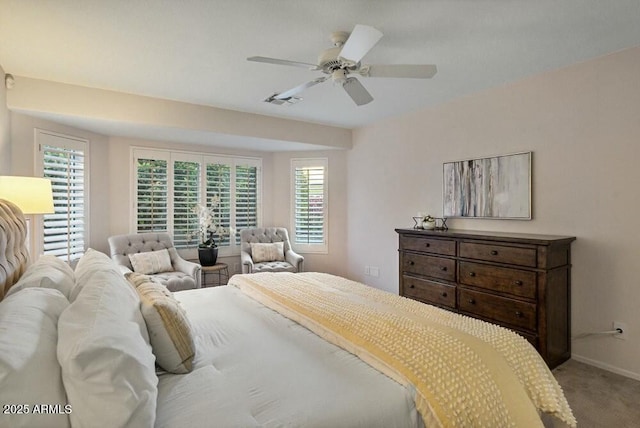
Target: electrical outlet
x,y
367,270
375,271
617,325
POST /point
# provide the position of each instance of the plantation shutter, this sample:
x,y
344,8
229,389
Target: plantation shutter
x,y
219,187
170,184
151,195
64,230
309,204
186,195
246,198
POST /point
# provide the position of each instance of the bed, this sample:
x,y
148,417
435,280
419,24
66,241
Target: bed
x,y
85,347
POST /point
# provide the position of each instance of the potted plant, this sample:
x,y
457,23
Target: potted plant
x,y
428,222
207,229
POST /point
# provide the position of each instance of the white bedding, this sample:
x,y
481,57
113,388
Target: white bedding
x,y
254,367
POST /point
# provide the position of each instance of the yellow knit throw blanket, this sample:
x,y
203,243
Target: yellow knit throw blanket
x,y
465,372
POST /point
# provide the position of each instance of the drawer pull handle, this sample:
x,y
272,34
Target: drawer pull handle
x,y
411,262
472,274
518,282
412,286
444,294
427,245
472,301
519,314
494,253
443,268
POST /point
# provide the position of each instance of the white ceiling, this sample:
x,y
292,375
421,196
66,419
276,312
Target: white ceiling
x,y
195,51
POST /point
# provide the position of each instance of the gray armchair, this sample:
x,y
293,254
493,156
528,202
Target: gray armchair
x,y
185,274
292,261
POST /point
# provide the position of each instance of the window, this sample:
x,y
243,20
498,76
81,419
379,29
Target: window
x,y
309,206
174,182
246,192
151,195
219,186
186,195
63,160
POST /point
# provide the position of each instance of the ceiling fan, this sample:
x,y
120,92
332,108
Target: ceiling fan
x,y
343,60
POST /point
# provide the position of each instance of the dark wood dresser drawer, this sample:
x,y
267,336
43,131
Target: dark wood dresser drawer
x,y
515,313
517,282
499,253
428,245
430,291
436,267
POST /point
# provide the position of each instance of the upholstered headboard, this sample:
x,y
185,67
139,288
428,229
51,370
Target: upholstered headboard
x,y
14,254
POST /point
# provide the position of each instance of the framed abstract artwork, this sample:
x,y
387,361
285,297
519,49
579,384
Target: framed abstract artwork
x,y
496,187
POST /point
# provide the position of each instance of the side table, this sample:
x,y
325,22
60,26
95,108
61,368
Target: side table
x,y
221,269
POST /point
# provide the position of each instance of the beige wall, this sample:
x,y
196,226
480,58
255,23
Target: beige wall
x,y
5,129
48,97
582,125
335,261
23,163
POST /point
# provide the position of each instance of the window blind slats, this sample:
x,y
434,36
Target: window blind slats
x,y
151,195
186,195
186,180
246,198
219,189
64,230
309,205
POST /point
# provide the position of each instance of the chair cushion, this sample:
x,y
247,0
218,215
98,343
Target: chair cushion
x,y
274,267
175,281
267,252
122,245
167,324
151,262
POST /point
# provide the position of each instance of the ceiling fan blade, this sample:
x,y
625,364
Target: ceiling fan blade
x,y
357,92
282,62
361,40
411,71
293,91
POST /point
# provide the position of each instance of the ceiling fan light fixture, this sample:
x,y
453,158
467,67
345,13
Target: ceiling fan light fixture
x,y
339,38
343,60
339,76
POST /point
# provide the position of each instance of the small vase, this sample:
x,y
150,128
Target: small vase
x,y
428,225
208,255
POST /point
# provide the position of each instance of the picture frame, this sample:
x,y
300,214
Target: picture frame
x,y
497,187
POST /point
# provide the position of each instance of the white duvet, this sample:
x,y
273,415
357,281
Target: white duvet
x,y
256,368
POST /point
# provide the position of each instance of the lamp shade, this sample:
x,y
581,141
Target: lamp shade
x,y
32,195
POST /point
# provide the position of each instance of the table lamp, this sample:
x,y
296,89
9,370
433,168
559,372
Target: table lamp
x,y
33,195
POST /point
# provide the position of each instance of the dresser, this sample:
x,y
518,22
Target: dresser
x,y
519,281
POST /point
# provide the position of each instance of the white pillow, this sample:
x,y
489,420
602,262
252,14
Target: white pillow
x,y
48,272
151,262
29,369
167,324
267,252
108,368
91,262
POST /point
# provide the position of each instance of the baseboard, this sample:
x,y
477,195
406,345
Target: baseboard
x,y
605,366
